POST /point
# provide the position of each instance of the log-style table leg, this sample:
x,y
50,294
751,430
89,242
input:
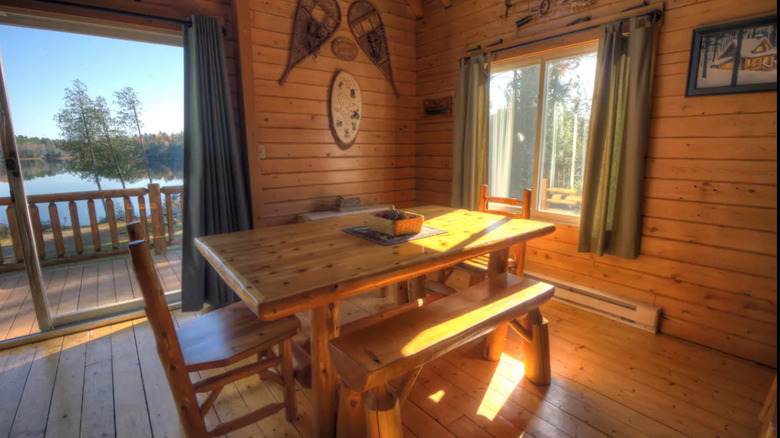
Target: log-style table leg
x,y
494,342
417,287
402,293
324,327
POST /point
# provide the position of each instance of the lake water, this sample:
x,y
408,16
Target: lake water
x,y
56,179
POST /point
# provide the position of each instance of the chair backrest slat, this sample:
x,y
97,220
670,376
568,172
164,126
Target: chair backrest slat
x,y
164,330
525,204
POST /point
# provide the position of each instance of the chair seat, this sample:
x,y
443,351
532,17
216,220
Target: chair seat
x,y
479,265
230,334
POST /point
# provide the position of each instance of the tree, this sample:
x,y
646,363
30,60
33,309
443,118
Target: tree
x,y
129,116
108,132
79,129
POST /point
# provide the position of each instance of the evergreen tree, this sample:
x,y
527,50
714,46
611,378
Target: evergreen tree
x,y
79,129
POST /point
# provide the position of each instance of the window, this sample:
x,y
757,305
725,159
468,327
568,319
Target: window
x,y
539,143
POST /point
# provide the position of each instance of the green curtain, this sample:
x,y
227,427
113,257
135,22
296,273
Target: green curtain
x,y
471,112
611,218
216,196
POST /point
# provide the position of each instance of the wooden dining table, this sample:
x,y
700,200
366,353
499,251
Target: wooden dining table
x,y
283,270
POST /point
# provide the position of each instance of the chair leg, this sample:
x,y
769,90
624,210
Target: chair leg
x,y
291,406
476,278
383,413
536,351
351,422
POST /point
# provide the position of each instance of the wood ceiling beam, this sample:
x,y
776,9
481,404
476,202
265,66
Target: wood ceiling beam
x,y
416,6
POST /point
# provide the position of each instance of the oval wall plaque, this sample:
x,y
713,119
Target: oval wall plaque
x,y
344,48
346,109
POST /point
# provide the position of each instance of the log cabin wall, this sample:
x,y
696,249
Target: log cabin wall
x,y
303,170
709,248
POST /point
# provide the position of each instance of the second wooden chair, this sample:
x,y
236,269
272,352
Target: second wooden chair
x,y
218,339
477,268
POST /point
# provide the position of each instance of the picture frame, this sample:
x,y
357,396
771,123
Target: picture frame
x,y
738,57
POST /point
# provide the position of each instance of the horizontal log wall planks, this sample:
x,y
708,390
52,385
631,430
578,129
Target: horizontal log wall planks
x,y
709,255
302,169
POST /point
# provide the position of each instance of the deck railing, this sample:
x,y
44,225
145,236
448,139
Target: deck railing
x,y
65,248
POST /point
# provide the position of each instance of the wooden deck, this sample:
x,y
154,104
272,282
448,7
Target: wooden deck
x,y
77,287
609,380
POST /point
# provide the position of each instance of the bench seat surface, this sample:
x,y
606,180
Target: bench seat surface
x,y
389,348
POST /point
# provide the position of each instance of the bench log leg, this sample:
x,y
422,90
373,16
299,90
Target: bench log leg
x,y
536,351
352,417
494,341
324,327
383,413
494,344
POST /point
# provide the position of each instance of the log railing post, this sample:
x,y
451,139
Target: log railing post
x,y
56,229
93,223
155,207
78,241
14,234
128,210
142,217
111,218
169,214
35,218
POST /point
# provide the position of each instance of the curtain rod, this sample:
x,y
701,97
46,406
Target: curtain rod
x,y
182,21
654,16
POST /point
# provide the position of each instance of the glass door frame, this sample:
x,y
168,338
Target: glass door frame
x,y
81,25
32,264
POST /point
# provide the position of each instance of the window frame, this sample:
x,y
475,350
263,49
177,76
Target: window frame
x,y
541,59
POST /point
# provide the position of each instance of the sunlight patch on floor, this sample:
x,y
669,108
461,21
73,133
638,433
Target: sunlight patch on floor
x,y
506,377
437,396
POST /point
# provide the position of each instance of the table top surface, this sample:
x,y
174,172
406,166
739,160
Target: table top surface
x,y
279,271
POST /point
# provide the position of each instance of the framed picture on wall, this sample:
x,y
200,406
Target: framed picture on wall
x,y
734,58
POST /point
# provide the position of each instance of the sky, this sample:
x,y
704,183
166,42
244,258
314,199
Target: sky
x,y
40,64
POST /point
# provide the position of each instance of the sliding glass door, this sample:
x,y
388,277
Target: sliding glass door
x,y
98,143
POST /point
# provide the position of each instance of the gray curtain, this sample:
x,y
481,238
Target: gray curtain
x,y
216,197
611,219
471,113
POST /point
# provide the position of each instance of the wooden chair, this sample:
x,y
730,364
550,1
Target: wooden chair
x,y
477,267
217,339
368,358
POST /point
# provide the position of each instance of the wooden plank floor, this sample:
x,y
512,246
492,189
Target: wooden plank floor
x,y
609,380
77,287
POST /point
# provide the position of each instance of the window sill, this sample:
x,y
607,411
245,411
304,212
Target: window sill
x,y
573,221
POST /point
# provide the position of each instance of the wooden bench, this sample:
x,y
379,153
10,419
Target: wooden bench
x,y
369,358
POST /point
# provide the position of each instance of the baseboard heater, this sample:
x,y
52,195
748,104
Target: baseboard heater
x,y
640,315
